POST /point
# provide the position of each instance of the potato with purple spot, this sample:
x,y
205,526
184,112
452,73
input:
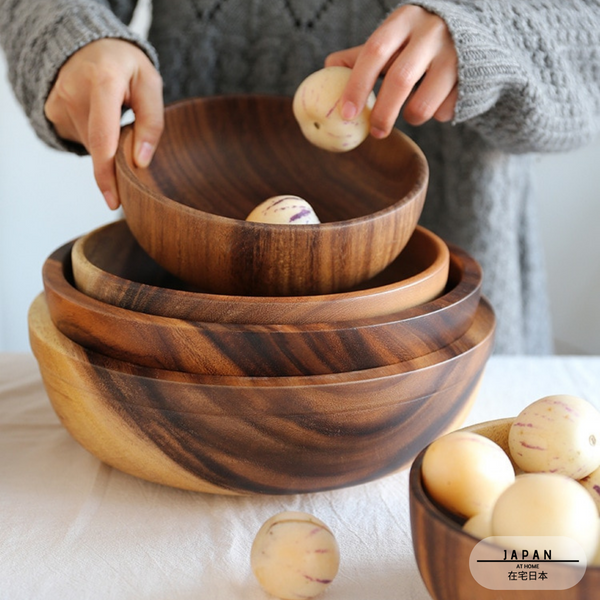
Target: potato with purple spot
x,y
294,555
284,210
557,434
466,472
317,109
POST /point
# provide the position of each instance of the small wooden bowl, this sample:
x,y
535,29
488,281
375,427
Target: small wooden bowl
x,y
110,266
259,350
442,548
248,435
219,157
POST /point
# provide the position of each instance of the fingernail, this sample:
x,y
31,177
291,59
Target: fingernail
x,y
377,133
348,111
111,200
144,154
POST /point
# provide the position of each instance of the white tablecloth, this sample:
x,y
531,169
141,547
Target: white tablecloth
x,y
73,528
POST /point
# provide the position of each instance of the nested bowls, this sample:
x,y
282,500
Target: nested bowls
x,y
219,157
109,265
258,435
442,548
262,350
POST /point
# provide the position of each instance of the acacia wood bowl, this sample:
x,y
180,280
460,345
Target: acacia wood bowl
x,y
109,265
249,435
442,548
219,157
260,350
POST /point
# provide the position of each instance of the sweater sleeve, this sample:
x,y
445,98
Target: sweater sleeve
x,y
38,36
529,72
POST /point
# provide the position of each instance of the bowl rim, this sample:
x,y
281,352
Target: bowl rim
x,y
91,323
440,358
443,257
463,291
122,165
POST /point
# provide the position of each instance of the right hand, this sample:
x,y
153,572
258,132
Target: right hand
x,y
414,52
85,104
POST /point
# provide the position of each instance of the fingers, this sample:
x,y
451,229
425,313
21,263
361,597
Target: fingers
x,y
372,59
415,54
104,125
445,112
433,91
400,80
86,101
343,58
147,104
420,77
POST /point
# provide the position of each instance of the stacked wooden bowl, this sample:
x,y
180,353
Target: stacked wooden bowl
x,y
201,351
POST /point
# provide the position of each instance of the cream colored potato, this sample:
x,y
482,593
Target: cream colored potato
x,y
557,434
284,210
317,109
547,504
592,484
479,525
466,472
294,556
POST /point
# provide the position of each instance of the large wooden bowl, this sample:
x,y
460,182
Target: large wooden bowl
x,y
109,265
272,435
442,548
259,350
219,157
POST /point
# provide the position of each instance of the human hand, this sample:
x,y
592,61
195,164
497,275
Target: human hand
x,y
414,51
85,104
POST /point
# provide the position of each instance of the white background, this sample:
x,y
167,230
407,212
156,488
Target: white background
x,y
48,197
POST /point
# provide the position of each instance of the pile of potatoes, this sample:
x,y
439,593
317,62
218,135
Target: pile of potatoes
x,y
548,484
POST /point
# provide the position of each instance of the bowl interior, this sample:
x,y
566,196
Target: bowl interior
x,y
225,155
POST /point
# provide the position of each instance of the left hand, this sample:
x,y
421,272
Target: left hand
x,y
414,51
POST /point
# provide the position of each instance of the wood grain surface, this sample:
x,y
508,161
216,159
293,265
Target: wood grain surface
x,y
260,350
219,157
248,435
442,549
109,265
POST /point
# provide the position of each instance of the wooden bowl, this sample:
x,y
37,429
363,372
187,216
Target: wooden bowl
x,y
109,265
219,157
259,350
271,435
442,549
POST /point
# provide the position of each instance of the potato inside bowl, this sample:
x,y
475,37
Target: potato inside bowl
x,y
442,548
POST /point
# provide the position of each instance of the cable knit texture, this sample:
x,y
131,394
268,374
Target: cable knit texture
x,y
529,77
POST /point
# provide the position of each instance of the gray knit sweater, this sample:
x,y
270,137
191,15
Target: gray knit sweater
x,y
529,81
